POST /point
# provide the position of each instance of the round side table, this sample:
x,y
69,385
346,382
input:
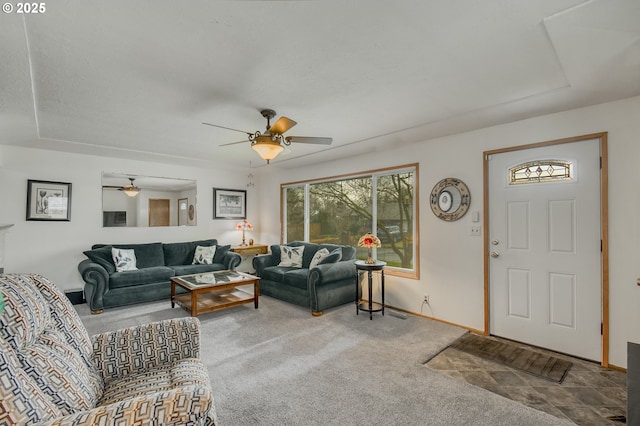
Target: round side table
x,y
370,306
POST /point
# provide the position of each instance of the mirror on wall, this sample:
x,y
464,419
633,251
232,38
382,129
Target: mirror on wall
x,y
130,200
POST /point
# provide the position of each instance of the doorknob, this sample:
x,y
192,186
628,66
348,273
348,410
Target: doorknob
x,y
495,242
494,254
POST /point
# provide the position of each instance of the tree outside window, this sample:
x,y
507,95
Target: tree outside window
x,y
340,211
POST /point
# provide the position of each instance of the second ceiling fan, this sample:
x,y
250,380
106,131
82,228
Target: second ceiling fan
x,y
270,143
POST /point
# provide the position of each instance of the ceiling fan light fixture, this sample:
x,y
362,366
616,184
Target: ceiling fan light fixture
x,y
267,148
130,190
270,143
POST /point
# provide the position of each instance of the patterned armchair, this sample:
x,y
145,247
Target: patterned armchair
x,y
52,372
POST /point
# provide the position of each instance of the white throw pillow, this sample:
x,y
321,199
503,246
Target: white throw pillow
x,y
124,259
291,256
317,258
204,255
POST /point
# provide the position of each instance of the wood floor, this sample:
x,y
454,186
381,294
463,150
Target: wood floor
x,y
589,394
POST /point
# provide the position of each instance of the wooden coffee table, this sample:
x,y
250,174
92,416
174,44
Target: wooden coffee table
x,y
212,291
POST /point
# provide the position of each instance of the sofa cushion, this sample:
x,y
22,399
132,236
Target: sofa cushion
x,y
297,278
147,255
182,253
221,252
141,276
22,401
204,255
196,269
124,259
185,372
310,250
291,256
275,253
320,254
333,257
42,346
103,257
276,273
348,252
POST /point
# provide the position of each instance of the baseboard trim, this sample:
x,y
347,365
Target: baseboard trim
x,y
473,330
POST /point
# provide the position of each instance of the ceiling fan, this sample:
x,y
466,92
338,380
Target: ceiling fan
x,y
269,144
130,190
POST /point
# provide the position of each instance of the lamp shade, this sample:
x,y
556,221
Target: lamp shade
x,y
130,190
244,226
369,240
267,148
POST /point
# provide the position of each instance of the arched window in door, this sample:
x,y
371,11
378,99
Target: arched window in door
x,y
541,171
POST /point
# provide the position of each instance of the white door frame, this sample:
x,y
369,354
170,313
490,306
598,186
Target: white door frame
x,y
604,217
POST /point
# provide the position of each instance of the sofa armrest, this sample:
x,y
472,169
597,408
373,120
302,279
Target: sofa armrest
x,y
137,349
262,261
231,260
331,272
183,405
96,280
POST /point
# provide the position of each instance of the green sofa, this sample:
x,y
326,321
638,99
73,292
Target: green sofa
x,y
324,286
156,263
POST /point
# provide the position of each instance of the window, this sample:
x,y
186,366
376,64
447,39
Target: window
x,y
340,210
540,171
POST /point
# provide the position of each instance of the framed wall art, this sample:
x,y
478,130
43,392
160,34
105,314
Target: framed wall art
x,y
48,200
229,203
450,199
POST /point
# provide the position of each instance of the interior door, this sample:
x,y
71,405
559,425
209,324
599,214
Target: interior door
x,y
182,212
545,277
159,212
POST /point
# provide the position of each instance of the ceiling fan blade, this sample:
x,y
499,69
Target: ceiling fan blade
x,y
233,143
227,128
309,139
282,125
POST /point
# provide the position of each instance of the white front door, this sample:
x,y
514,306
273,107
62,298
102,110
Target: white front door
x,y
545,277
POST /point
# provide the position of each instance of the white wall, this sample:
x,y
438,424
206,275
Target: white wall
x,y
54,249
451,261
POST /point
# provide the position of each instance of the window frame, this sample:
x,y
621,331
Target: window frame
x,y
374,174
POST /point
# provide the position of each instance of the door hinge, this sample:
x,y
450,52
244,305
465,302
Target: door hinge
x,y
600,245
600,163
601,329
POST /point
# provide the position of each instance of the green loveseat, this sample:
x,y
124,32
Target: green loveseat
x,y
156,263
331,283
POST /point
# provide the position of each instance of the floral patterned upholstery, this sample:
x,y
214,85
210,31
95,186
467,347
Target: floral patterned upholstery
x,y
52,372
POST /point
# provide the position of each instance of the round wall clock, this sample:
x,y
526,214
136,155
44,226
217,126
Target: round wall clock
x,y
450,199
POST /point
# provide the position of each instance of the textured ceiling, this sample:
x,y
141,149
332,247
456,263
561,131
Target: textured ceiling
x,y
136,79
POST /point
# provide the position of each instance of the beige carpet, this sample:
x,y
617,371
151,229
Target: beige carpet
x,y
279,365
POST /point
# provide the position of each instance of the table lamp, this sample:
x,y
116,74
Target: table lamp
x,y
369,240
244,226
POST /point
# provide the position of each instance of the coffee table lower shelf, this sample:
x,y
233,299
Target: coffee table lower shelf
x,y
212,291
214,300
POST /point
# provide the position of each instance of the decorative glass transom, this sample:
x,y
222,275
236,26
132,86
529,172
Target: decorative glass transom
x,y
540,171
